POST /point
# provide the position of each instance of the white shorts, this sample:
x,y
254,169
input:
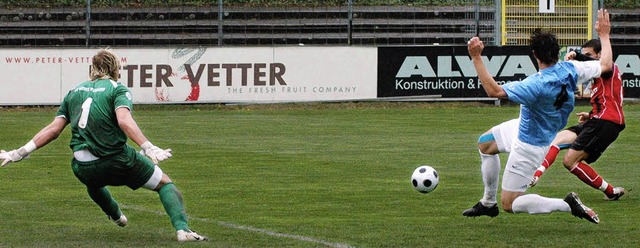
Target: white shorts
x,y
505,133
523,159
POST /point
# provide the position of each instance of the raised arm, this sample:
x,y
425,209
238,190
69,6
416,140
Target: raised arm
x,y
475,47
603,27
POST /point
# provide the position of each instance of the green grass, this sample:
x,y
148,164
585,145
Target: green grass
x,y
309,175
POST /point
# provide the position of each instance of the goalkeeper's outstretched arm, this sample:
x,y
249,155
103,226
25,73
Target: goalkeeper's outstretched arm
x,y
42,138
132,130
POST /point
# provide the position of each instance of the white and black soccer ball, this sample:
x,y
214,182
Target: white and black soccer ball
x,y
425,179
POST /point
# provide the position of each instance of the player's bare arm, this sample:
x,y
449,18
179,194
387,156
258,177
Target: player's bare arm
x,y
603,27
129,126
42,138
50,132
133,131
475,47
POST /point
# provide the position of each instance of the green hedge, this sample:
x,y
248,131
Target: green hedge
x,y
143,3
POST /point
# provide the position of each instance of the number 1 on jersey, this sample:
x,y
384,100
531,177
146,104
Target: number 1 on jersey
x,y
84,117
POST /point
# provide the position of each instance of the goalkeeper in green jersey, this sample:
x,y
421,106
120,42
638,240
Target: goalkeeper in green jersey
x,y
99,113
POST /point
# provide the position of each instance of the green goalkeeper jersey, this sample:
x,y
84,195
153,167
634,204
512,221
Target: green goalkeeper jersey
x,y
90,109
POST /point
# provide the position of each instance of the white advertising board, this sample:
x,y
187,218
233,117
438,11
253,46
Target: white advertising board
x,y
198,74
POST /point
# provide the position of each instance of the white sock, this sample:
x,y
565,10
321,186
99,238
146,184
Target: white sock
x,y
536,204
490,170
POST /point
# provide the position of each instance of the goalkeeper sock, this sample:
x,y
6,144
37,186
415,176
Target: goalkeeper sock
x,y
171,199
105,201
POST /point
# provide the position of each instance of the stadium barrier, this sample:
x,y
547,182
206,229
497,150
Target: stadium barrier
x,y
281,74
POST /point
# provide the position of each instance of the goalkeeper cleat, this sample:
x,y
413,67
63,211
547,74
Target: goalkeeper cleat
x,y
580,210
188,235
617,193
479,210
122,221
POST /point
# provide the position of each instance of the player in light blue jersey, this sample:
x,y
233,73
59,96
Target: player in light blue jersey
x,y
99,114
546,100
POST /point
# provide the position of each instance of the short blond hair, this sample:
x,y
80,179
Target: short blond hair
x,y
105,64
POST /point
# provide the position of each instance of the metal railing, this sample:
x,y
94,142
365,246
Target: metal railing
x,y
220,24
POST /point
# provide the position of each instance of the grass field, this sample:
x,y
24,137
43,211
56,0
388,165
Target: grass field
x,y
309,175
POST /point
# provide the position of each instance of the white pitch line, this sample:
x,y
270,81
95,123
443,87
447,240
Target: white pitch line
x,y
248,228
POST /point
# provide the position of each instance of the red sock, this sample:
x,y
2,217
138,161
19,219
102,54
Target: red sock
x,y
551,156
589,176
548,160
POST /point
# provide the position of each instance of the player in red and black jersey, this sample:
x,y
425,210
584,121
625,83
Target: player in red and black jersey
x,y
596,130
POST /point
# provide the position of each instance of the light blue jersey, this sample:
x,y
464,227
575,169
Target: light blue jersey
x,y
546,99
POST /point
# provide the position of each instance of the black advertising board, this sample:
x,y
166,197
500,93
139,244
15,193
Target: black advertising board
x,y
628,60
447,71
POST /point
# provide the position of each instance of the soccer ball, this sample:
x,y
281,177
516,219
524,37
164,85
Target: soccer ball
x,y
425,179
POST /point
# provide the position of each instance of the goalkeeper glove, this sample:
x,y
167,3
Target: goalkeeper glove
x,y
155,153
17,154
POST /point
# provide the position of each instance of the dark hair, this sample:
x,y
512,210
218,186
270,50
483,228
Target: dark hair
x,y
545,46
593,44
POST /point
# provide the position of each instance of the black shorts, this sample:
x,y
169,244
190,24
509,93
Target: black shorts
x,y
594,136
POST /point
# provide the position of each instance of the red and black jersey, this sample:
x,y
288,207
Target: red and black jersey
x,y
606,97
